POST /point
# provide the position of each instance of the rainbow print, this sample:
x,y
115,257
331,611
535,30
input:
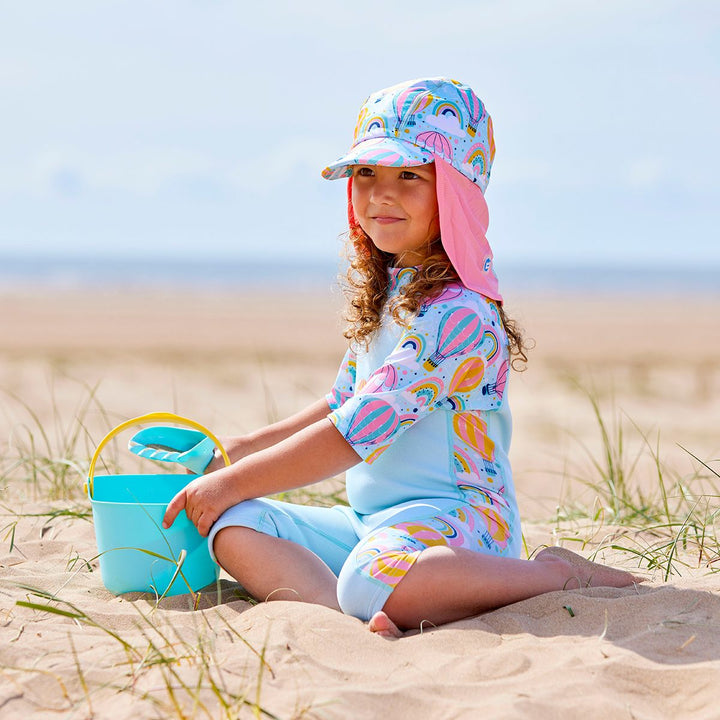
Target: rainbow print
x,y
416,343
375,125
448,108
456,403
476,496
489,344
463,463
476,159
426,391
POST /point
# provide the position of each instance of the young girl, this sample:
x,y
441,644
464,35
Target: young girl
x,y
418,416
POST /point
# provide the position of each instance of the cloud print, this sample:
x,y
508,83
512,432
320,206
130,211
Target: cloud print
x,y
446,122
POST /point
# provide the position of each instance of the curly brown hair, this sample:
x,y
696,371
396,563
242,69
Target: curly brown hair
x,y
366,285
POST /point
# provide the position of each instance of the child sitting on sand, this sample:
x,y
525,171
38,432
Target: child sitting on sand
x,y
418,416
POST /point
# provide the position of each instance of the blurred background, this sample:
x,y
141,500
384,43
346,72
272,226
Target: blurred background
x,y
180,141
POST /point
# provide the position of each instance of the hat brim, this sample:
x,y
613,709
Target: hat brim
x,y
383,151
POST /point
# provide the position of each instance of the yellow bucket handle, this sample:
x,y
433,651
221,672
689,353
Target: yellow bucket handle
x,y
155,417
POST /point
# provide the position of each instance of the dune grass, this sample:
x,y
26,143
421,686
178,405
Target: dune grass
x,y
206,691
664,525
51,462
168,672
665,520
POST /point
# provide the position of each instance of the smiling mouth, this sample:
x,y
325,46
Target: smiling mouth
x,y
387,219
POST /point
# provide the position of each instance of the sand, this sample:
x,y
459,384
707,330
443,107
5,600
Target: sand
x,y
234,362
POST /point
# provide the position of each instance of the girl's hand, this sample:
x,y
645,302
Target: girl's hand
x,y
203,499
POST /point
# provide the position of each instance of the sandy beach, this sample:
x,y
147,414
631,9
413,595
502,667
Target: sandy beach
x,y
647,371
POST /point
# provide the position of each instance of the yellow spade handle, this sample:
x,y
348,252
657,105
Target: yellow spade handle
x,y
154,417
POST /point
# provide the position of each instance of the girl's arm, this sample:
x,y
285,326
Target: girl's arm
x,y
242,445
314,452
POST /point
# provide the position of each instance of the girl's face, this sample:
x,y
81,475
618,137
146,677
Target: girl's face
x,y
397,208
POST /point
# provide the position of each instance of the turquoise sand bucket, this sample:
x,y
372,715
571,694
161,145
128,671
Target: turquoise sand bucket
x,y
136,553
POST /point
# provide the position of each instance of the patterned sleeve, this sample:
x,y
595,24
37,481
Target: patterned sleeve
x,y
454,356
344,386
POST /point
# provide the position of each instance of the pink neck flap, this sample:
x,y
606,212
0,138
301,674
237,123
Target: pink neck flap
x,y
464,221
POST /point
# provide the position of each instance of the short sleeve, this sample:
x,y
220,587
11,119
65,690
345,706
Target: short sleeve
x,y
344,385
451,358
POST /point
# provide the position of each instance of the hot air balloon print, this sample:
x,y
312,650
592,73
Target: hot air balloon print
x,y
375,154
489,469
412,100
497,532
385,378
459,332
373,422
390,567
450,292
474,107
497,387
472,430
436,143
468,375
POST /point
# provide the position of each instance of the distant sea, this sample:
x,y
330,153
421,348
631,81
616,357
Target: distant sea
x,y
48,274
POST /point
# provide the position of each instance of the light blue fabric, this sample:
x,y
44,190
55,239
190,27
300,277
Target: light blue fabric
x,y
344,540
426,408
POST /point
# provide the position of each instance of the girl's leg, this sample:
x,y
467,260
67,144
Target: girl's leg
x,y
446,584
271,568
282,551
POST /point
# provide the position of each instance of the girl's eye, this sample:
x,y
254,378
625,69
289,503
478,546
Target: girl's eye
x,y
407,175
364,172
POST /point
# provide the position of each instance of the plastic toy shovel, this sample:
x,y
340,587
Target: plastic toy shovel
x,y
189,448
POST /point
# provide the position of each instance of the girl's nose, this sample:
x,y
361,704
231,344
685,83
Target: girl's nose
x,y
383,190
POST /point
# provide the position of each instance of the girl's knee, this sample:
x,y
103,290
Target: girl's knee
x,y
229,543
356,593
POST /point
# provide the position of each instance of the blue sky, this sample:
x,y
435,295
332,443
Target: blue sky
x,y
199,128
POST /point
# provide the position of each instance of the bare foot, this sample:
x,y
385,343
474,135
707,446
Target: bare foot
x,y
382,625
585,573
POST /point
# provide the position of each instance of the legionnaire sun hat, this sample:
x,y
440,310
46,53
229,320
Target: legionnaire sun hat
x,y
442,121
416,122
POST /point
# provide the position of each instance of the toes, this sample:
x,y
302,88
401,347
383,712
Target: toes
x,y
589,573
382,625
